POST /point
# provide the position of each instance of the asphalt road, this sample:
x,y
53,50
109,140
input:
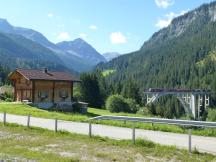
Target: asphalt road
x,y
203,144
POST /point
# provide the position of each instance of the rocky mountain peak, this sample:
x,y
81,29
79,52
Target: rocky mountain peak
x,y
179,25
5,26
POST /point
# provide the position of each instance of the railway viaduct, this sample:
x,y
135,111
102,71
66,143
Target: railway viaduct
x,y
193,100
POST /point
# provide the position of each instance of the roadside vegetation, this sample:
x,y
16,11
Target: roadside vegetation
x,y
35,144
117,103
96,90
211,114
22,109
113,100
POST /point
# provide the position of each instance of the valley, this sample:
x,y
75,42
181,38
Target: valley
x,y
111,81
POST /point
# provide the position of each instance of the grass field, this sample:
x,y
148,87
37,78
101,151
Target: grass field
x,y
108,72
23,144
22,109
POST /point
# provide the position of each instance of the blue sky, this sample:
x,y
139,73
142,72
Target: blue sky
x,y
108,25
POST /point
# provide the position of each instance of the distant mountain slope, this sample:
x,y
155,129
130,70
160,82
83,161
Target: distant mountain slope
x,y
71,59
169,58
111,55
33,35
17,51
83,50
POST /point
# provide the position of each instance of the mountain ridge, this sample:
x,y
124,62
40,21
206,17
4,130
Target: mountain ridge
x,y
111,55
71,60
82,49
168,59
14,53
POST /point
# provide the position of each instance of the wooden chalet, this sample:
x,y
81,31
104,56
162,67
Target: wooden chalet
x,y
42,87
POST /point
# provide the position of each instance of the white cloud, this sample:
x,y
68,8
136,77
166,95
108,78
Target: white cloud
x,y
117,38
93,27
83,35
164,3
162,23
50,15
63,36
184,12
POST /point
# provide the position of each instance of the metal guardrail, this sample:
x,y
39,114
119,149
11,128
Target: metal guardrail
x,y
188,123
158,120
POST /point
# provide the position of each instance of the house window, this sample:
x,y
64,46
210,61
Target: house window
x,y
42,94
63,93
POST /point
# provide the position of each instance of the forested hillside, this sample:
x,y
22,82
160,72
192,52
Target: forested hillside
x,y
179,56
76,55
17,51
4,71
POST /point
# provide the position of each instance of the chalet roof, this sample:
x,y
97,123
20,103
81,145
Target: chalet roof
x,y
45,75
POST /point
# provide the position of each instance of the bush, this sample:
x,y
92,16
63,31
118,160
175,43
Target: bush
x,y
211,115
8,100
6,93
117,103
132,105
144,111
7,97
77,96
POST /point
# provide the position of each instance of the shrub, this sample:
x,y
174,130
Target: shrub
x,y
77,96
132,105
8,100
211,115
117,103
6,93
144,111
7,97
187,117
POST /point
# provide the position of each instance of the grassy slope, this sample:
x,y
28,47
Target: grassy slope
x,y
22,109
22,144
108,72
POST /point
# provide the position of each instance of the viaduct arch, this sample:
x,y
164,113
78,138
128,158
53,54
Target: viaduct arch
x,y
191,99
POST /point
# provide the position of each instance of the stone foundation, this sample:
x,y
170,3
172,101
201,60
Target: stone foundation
x,y
60,106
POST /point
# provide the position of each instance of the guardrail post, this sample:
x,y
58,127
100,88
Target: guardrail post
x,y
187,123
133,133
90,129
56,125
189,141
4,118
28,120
